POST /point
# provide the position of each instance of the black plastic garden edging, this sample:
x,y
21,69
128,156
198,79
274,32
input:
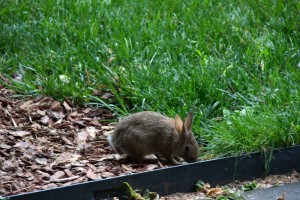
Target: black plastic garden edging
x,y
178,178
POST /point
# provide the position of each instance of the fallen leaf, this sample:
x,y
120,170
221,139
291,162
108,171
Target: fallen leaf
x,y
215,191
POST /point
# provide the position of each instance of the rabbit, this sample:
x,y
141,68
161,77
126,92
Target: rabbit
x,y
148,132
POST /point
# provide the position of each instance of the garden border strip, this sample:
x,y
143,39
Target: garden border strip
x,y
180,178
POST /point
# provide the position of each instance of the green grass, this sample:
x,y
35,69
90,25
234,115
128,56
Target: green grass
x,y
235,64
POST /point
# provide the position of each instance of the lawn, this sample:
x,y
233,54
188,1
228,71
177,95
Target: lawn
x,y
234,64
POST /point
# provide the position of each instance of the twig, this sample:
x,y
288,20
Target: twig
x,y
10,116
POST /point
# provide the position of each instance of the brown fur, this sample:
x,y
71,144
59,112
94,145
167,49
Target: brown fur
x,y
147,132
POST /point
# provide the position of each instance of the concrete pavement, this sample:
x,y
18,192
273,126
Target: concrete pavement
x,y
292,192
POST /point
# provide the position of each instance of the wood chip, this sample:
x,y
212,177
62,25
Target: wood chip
x,y
62,180
67,106
91,175
19,133
57,175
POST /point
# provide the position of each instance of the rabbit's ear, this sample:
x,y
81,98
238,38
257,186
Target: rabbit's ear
x,y
188,121
179,124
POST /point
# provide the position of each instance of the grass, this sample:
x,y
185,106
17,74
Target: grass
x,y
235,64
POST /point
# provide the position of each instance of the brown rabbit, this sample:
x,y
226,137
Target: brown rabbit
x,y
149,132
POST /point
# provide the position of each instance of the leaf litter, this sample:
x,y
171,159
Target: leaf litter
x,y
46,144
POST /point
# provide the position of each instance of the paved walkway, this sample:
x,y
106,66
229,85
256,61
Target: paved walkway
x,y
292,192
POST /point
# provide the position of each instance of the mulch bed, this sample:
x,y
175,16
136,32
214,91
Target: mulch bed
x,y
46,144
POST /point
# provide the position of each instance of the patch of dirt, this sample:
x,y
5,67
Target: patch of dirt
x,y
46,144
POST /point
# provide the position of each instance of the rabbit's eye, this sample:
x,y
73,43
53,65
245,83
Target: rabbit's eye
x,y
186,148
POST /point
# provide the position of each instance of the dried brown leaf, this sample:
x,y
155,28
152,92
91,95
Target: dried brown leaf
x,y
215,191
